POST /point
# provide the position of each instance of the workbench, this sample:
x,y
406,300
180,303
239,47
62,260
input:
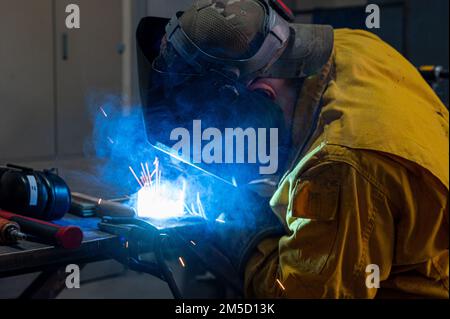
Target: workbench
x,y
82,175
30,257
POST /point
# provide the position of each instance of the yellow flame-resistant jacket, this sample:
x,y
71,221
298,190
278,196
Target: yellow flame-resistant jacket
x,y
368,199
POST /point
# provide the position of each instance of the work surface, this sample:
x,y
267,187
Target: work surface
x,y
80,174
28,257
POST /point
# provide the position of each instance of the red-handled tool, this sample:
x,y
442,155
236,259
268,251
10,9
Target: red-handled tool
x,y
69,237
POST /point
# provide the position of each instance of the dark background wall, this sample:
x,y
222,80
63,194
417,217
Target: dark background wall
x,y
417,28
428,36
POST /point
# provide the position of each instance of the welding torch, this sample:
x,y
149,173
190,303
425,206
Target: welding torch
x,y
140,236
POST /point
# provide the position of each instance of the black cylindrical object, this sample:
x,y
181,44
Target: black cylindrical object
x,y
37,194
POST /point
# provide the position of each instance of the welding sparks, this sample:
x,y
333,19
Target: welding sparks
x,y
159,199
135,176
221,219
280,284
160,202
103,112
182,263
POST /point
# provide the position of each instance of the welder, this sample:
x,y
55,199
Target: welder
x,y
362,207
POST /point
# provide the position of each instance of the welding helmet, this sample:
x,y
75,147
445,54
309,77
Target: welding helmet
x,y
230,42
242,38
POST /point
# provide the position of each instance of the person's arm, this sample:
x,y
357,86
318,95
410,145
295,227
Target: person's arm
x,y
340,223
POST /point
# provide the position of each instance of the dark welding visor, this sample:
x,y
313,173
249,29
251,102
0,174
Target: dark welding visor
x,y
149,35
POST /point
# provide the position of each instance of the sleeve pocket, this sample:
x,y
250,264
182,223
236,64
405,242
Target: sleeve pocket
x,y
316,195
314,205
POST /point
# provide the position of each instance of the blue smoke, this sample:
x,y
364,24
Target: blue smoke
x,y
119,140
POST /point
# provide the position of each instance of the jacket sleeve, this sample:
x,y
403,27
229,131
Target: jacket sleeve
x,y
341,234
